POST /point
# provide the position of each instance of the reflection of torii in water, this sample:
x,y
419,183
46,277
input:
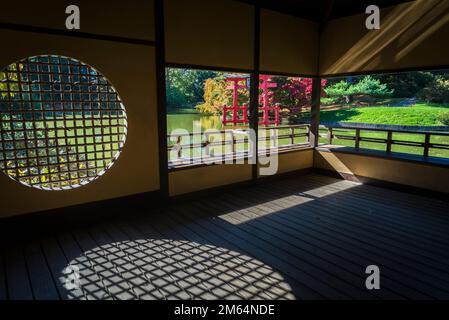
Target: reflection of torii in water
x,y
240,83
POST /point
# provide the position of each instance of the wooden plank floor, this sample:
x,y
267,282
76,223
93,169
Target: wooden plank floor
x,y
308,237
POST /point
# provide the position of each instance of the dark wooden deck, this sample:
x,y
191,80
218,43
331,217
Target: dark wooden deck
x,y
307,237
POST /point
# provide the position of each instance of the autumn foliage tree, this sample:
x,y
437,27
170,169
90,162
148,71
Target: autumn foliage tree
x,y
293,94
216,95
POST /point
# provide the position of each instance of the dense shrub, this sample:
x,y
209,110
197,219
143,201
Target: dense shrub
x,y
326,101
437,91
444,118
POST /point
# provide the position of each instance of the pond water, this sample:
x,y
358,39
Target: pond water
x,y
187,121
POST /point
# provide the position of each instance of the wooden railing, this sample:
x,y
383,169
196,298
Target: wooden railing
x,y
191,147
429,139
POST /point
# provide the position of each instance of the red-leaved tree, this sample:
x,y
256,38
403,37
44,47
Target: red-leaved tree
x,y
294,94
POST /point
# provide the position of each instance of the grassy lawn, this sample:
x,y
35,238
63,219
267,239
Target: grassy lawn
x,y
420,114
417,115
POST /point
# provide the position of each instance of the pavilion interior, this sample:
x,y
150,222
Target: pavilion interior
x,y
144,231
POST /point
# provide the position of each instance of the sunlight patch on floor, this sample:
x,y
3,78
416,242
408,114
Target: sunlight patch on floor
x,y
170,269
294,199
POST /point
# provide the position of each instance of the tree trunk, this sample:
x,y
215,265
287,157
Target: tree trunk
x,y
349,99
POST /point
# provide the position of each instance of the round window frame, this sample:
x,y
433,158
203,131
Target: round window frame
x,y
82,180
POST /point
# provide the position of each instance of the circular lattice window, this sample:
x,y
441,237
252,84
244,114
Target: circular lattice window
x,y
62,123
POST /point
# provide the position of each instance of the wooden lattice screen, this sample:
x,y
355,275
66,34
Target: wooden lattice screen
x,y
62,123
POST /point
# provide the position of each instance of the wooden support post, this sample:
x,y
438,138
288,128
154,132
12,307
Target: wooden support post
x,y
273,138
292,135
357,139
178,147
233,142
254,91
389,141
315,112
427,145
161,97
330,135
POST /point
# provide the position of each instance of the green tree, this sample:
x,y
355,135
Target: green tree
x,y
185,86
406,85
371,87
367,86
436,91
339,91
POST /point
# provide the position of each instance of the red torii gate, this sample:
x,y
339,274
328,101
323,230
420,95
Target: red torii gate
x,y
240,83
235,86
265,85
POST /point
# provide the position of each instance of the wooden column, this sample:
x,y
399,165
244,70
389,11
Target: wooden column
x,y
315,112
254,89
427,145
161,97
